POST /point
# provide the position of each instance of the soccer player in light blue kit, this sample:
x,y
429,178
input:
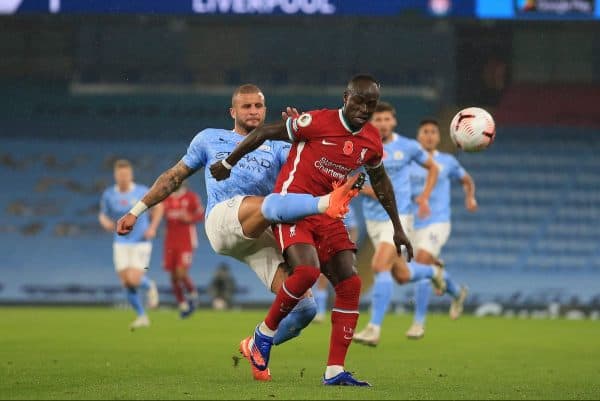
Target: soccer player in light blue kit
x,y
399,152
240,210
131,254
432,232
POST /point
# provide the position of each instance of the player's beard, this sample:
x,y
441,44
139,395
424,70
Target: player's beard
x,y
248,127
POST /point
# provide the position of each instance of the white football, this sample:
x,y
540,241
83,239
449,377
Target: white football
x,y
472,129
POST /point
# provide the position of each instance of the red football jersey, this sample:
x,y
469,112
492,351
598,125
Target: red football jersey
x,y
180,234
326,150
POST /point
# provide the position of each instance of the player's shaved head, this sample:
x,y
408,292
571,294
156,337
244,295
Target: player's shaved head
x,y
246,89
362,82
360,99
248,108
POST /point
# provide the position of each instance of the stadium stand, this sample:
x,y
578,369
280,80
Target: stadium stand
x,y
534,239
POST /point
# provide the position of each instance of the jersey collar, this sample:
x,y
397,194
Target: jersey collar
x,y
131,188
346,124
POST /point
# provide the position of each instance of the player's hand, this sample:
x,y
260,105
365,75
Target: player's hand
x,y
424,210
125,224
290,112
471,204
219,171
150,233
400,240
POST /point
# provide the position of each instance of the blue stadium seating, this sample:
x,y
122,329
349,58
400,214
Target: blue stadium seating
x,y
534,239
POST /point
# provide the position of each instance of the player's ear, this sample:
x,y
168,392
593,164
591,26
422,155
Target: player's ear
x,y
232,112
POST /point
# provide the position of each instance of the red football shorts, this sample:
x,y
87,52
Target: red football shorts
x,y
175,258
328,235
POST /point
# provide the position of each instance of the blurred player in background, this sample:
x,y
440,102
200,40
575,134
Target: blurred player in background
x,y
240,210
399,152
183,209
321,289
432,232
131,254
327,146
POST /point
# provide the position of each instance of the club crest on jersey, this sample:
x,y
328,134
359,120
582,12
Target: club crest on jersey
x,y
304,120
398,155
293,231
363,153
348,147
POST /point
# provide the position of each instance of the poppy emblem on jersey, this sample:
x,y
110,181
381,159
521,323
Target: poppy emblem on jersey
x,y
348,147
304,120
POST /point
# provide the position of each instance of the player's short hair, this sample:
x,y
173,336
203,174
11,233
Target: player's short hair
x,y
382,107
432,121
245,89
122,163
362,77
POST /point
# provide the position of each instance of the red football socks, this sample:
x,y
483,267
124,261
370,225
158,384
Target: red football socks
x,y
290,293
344,317
177,290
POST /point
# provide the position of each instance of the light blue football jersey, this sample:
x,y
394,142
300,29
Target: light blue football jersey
x,y
254,174
439,201
397,156
116,204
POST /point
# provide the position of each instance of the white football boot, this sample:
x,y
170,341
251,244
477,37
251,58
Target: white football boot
x,y
140,322
369,336
457,305
416,331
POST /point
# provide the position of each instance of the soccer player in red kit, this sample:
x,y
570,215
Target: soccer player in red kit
x,y
327,146
183,209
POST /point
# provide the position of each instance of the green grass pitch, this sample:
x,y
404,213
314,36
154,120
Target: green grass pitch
x,y
88,353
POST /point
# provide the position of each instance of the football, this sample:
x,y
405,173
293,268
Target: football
x,y
472,129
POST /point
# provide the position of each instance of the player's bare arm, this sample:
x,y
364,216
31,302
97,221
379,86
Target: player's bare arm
x,y
276,131
423,199
382,186
164,185
106,223
469,188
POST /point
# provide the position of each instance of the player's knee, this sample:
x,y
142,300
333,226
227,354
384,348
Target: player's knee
x,y
269,208
349,287
401,275
377,267
309,274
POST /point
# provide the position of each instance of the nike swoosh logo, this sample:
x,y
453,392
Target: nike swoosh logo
x,y
324,142
348,338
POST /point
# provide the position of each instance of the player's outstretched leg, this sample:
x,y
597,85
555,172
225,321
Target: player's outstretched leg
x,y
344,317
287,298
300,317
415,272
278,208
